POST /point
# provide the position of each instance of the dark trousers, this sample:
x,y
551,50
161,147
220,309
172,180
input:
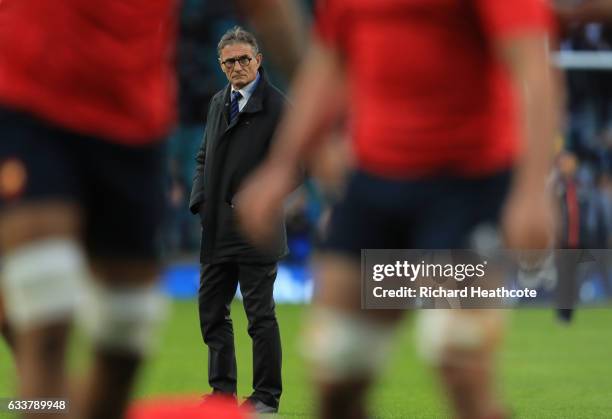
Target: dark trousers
x,y
218,284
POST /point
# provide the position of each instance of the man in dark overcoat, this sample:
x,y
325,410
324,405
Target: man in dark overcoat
x,y
240,125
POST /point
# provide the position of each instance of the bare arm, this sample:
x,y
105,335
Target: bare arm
x,y
319,100
536,83
282,28
529,215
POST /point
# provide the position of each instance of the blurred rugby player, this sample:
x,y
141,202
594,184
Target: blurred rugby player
x,y
86,99
453,112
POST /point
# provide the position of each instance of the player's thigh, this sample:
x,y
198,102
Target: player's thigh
x,y
365,218
458,209
39,181
126,209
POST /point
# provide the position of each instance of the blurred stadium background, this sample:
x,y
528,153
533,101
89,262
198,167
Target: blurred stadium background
x,y
549,370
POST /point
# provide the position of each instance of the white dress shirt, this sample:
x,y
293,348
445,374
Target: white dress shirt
x,y
246,92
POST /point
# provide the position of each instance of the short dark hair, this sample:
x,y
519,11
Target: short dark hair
x,y
237,35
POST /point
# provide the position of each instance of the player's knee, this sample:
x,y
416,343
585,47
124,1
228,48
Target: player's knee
x,y
344,346
41,282
456,336
122,318
36,223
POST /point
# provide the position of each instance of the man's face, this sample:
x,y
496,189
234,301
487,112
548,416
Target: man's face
x,y
240,64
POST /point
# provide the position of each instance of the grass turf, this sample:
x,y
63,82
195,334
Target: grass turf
x,y
547,370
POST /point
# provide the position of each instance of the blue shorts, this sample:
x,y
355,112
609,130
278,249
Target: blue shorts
x,y
437,213
120,189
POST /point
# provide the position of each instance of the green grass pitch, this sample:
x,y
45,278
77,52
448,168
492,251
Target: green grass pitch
x,y
547,370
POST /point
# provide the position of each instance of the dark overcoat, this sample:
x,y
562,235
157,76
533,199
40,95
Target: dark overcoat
x,y
229,153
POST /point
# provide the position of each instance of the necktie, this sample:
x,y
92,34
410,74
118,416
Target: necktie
x,y
234,110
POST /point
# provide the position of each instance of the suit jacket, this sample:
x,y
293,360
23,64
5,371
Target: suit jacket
x,y
229,153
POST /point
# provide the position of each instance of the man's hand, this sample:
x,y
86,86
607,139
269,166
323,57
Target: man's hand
x,y
529,219
260,202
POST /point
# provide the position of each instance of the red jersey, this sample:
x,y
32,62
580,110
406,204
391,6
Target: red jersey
x,y
102,68
428,93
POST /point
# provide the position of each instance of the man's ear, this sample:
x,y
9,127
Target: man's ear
x,y
259,58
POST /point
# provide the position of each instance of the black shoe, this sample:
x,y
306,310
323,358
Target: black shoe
x,y
565,315
216,394
258,406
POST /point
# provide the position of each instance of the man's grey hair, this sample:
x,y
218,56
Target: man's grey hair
x,y
237,35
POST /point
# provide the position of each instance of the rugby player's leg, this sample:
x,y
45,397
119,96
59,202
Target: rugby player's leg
x,y
461,344
346,345
465,365
42,266
5,329
123,316
123,306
